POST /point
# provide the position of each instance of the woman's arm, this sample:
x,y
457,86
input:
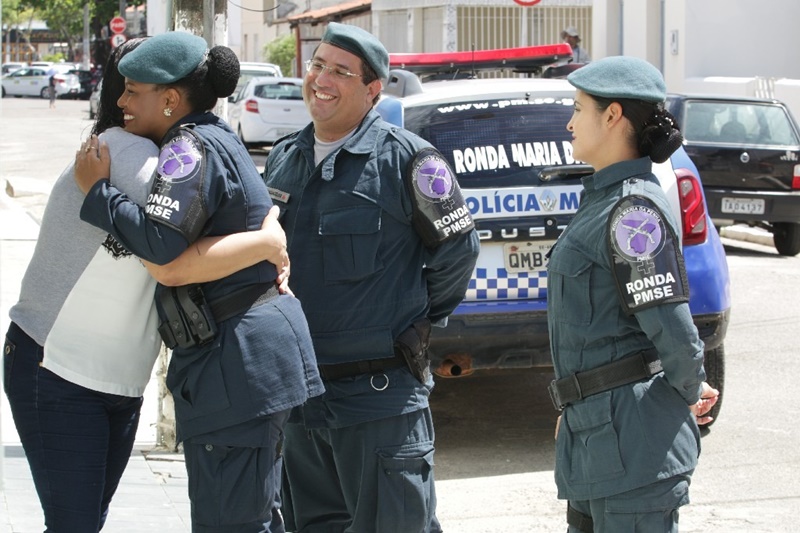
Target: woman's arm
x,y
213,258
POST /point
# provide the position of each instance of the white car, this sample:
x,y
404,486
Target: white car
x,y
11,66
248,71
267,109
35,81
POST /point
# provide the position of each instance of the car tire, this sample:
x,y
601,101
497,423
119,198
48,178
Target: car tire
x,y
45,93
786,236
714,364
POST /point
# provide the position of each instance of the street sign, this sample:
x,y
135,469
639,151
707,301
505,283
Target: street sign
x,y
118,25
117,39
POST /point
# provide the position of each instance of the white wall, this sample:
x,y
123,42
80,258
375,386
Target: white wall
x,y
742,38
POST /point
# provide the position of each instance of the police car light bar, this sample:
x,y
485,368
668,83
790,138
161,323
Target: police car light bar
x,y
523,59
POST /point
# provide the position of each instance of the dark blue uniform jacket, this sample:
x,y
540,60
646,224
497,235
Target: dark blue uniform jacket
x,y
261,361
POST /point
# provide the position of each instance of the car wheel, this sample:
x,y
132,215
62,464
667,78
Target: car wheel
x,y
786,236
45,93
714,364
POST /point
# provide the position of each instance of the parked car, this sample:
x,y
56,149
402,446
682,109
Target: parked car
x,y
248,71
86,80
748,153
507,141
267,109
35,81
11,66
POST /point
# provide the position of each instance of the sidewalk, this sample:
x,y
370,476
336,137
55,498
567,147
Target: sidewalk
x,y
153,493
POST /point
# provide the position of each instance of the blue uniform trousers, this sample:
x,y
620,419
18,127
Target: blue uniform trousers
x,y
649,509
370,477
77,440
234,477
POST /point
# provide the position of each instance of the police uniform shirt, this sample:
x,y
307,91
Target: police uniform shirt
x,y
358,265
630,436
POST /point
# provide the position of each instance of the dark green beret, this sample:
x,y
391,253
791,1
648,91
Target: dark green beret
x,y
361,43
621,77
165,58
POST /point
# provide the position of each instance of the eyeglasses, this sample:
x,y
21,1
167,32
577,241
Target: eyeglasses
x,y
316,68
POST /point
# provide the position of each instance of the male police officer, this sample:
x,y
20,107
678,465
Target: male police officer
x,y
382,247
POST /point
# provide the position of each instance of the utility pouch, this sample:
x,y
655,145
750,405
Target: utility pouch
x,y
412,346
189,321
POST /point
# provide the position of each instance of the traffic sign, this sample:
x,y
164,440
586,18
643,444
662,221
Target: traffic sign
x,y
117,39
118,25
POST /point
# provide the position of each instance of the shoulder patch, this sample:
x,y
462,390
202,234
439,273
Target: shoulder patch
x,y
176,198
647,263
440,212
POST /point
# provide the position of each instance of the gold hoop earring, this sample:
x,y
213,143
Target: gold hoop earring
x,y
167,112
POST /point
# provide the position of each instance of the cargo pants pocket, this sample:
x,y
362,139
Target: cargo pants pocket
x,y
405,488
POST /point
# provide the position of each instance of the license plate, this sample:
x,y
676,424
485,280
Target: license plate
x,y
744,206
526,256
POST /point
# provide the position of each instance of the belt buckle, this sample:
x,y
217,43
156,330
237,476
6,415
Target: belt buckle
x,y
554,396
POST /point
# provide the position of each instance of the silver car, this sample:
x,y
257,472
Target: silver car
x,y
267,109
35,81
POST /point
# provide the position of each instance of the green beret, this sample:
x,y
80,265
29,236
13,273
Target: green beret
x,y
621,77
165,58
361,43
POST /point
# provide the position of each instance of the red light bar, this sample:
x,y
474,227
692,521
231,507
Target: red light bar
x,y
526,58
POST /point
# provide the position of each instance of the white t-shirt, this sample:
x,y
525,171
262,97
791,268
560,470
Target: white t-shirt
x,y
83,297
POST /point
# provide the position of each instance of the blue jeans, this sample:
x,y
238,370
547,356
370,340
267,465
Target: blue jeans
x,y
77,441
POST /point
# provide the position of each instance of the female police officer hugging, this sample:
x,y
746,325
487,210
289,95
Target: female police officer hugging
x,y
623,341
242,354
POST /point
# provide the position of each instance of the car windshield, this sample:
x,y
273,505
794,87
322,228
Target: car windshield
x,y
279,91
738,122
497,142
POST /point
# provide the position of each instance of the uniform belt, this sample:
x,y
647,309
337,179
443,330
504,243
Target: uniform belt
x,y
241,300
357,368
581,385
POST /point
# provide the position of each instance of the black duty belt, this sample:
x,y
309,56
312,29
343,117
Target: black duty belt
x,y
357,368
581,385
191,320
241,300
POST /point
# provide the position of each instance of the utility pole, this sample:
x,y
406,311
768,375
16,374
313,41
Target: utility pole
x,y
87,51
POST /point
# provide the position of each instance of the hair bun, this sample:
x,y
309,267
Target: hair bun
x,y
223,70
660,136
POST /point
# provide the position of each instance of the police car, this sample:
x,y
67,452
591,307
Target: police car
x,y
507,141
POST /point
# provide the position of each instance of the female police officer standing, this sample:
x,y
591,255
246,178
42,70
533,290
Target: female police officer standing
x,y
242,354
625,349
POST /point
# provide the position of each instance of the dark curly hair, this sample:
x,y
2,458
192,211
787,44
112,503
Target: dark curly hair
x,y
655,131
